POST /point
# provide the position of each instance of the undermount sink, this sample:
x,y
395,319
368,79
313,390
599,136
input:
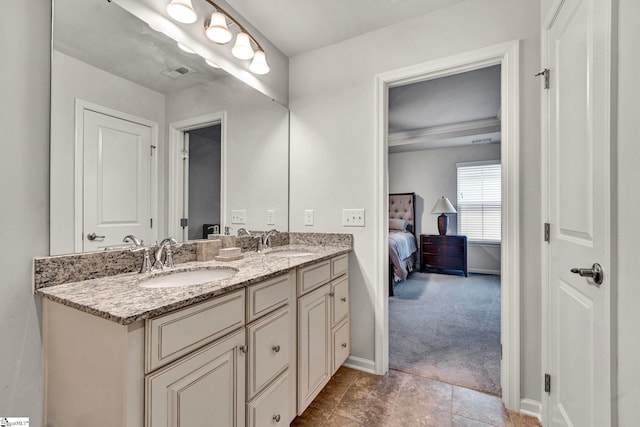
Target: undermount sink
x,y
290,253
188,278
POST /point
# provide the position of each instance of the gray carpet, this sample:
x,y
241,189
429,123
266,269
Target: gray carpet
x,y
447,328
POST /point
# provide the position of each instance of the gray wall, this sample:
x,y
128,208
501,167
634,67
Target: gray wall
x,y
24,194
204,180
333,159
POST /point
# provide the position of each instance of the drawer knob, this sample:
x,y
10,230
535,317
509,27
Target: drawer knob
x,y
243,348
343,299
276,418
331,294
276,348
344,345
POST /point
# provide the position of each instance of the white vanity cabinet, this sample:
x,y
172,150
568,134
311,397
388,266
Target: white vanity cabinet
x,y
323,325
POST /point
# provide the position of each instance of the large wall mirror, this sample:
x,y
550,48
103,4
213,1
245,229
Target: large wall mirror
x,y
150,140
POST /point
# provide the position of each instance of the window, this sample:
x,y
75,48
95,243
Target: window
x,y
480,200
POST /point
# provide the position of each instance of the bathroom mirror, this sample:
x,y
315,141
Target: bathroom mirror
x,y
130,113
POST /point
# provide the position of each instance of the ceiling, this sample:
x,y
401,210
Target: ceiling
x,y
108,37
461,109
298,26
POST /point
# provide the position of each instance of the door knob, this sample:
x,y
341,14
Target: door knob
x,y
594,272
92,236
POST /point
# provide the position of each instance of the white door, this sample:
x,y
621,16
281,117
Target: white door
x,y
579,57
116,181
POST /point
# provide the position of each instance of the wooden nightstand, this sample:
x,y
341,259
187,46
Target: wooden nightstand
x,y
443,252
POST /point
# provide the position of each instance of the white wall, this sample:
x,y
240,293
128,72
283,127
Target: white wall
x,y
256,151
432,174
24,200
332,102
628,212
73,79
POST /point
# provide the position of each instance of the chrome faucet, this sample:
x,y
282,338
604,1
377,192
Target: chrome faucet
x,y
146,260
243,231
266,245
164,246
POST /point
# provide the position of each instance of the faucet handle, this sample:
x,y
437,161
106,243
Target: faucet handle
x,y
133,239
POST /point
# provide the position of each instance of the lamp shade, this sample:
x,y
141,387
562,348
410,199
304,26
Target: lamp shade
x,y
217,31
242,49
259,64
443,205
182,11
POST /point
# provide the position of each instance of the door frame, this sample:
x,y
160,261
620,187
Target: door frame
x,y
508,56
175,201
78,199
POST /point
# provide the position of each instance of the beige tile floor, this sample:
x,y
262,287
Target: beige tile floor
x,y
358,399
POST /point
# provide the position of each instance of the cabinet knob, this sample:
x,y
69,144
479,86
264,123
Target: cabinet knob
x,y
344,345
276,348
276,418
343,299
243,348
331,294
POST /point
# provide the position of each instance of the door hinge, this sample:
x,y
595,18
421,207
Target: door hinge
x,y
547,232
184,222
545,74
153,147
547,383
150,222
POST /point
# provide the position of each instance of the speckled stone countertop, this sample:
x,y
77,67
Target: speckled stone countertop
x,y
120,299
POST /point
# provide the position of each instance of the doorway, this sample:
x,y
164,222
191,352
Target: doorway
x,y
507,56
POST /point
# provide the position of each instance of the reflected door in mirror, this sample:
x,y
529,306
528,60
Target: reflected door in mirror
x,y
116,181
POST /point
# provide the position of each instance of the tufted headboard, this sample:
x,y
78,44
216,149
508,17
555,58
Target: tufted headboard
x,y
403,206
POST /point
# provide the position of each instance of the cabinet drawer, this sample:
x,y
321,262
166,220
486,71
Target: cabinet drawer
x,y
269,341
340,300
339,266
455,250
341,344
313,276
175,334
271,407
443,240
445,262
267,296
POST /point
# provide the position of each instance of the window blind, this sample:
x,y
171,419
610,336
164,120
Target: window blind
x,y
480,200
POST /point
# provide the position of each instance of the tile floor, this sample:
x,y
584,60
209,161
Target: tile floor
x,y
358,399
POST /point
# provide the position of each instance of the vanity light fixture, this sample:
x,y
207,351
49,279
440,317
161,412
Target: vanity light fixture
x,y
185,48
216,28
211,63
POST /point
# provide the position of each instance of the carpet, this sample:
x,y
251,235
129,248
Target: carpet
x,y
447,328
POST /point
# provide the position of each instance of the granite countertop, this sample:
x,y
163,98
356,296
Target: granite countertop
x,y
120,299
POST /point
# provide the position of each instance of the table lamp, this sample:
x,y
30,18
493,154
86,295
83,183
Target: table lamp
x,y
443,206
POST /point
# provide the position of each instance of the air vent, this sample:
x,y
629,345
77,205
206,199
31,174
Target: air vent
x,y
482,141
177,72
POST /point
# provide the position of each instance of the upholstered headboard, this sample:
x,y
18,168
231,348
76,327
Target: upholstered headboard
x,y
403,206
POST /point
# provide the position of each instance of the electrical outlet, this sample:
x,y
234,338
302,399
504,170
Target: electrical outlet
x,y
308,217
353,217
239,217
271,217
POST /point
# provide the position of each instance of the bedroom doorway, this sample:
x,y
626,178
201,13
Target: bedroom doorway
x,y
505,56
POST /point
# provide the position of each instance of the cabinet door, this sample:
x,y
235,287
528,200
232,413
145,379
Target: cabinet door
x,y
269,349
271,407
314,353
339,300
341,345
205,388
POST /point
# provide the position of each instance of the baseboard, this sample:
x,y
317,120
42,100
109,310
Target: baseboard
x,y
532,408
483,271
361,364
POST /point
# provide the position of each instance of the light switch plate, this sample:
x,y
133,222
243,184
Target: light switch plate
x,y
308,217
239,216
353,217
271,217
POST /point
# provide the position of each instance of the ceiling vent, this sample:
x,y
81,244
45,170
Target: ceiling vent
x,y
177,72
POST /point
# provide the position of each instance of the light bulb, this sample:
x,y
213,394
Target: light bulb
x,y
259,64
217,30
242,49
182,11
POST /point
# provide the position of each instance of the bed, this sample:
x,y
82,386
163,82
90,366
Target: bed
x,y
403,247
